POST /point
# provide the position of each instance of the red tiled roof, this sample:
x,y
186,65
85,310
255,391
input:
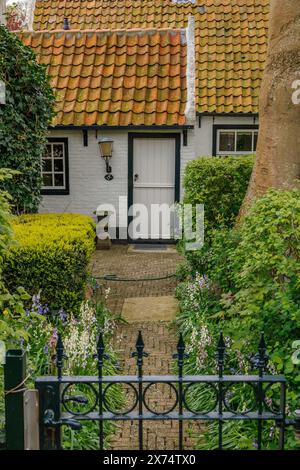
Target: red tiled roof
x,y
231,39
115,78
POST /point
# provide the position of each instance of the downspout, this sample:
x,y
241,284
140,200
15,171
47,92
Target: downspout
x,y
190,110
30,14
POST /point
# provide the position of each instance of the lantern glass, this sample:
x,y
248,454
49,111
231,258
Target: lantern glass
x,y
105,147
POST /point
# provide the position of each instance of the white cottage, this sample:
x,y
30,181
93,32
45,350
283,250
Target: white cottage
x,y
151,83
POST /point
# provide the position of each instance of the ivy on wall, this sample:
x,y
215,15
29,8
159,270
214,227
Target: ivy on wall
x,y
24,120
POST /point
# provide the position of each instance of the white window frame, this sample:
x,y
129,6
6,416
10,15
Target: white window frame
x,y
235,131
56,189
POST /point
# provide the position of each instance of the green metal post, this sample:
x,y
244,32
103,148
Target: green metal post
x,y
14,376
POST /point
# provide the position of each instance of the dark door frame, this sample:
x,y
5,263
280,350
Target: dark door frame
x,y
152,135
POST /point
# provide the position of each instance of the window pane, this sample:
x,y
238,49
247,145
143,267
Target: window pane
x,y
244,142
48,152
58,180
58,151
58,165
47,179
226,143
47,164
255,141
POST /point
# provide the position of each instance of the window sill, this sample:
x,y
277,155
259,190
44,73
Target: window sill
x,y
55,192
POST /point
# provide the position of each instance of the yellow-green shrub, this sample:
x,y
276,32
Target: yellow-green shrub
x,y
51,254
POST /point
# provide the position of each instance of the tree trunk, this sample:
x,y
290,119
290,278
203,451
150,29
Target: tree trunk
x,y
278,152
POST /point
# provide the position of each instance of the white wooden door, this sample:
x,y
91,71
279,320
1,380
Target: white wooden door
x,y
154,186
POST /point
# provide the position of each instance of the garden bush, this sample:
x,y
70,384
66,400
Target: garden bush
x,y
30,326
220,183
5,226
250,284
52,253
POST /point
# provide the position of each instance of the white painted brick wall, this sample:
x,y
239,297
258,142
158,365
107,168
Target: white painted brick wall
x,y
88,188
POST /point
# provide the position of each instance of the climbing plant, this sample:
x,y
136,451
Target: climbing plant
x,y
5,226
24,119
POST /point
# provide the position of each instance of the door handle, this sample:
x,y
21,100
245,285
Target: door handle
x,y
136,177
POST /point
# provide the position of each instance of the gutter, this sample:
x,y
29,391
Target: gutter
x,y
85,130
122,128
215,114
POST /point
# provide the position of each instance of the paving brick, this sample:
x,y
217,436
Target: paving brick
x,y
160,342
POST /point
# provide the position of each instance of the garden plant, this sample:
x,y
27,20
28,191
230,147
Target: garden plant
x,y
243,281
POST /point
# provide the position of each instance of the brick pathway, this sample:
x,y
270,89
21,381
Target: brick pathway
x,y
159,337
134,265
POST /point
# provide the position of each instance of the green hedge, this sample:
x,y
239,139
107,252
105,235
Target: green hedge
x,y
52,253
249,284
220,183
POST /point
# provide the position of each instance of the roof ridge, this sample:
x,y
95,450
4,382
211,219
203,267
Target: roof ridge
x,y
100,31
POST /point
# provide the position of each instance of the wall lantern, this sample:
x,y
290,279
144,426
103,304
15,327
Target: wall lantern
x,y
106,149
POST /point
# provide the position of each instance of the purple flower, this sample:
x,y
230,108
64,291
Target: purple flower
x,y
46,349
40,309
27,313
46,309
62,315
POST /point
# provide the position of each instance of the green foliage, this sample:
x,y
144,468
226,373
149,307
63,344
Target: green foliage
x,y
51,254
80,340
220,184
24,119
35,330
260,266
251,283
6,233
13,317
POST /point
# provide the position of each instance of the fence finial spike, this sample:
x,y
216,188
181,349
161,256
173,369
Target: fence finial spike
x,y
221,351
221,342
100,355
181,354
140,342
181,343
60,355
139,353
100,343
262,343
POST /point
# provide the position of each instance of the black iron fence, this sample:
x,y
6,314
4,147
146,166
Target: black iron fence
x,y
71,400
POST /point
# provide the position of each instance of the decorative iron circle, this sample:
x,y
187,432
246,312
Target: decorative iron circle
x,y
228,395
269,402
118,412
188,389
172,389
88,397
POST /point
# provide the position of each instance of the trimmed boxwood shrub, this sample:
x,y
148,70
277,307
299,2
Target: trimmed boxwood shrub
x,y
220,183
51,254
